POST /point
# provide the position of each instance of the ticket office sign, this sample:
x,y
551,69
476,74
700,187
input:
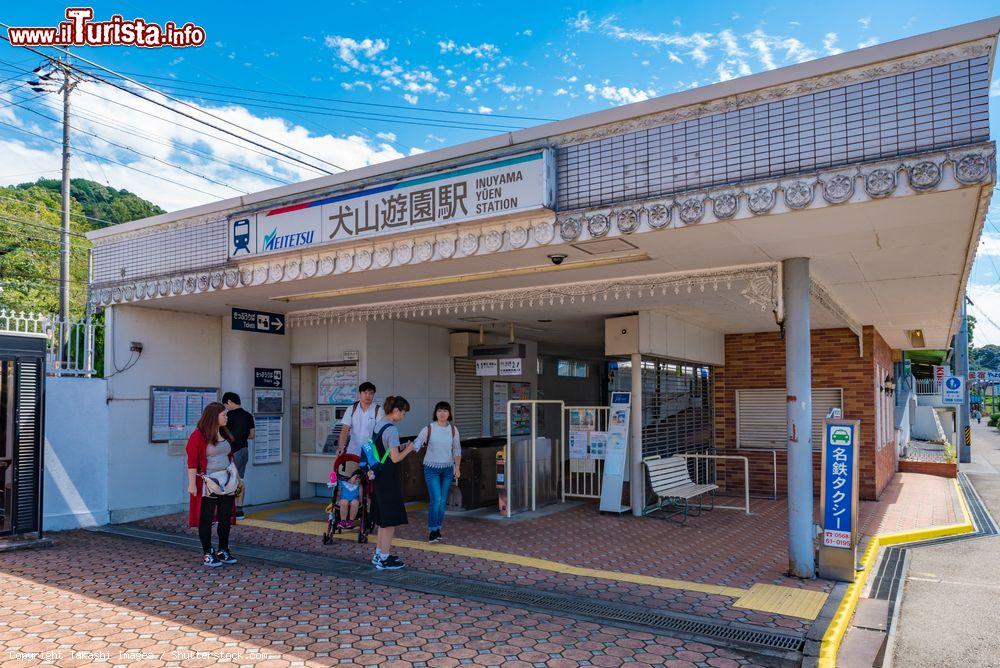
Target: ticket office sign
x,y
494,188
839,498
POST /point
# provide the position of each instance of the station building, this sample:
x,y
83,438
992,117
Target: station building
x,y
761,248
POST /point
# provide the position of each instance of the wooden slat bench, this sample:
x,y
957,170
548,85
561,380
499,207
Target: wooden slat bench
x,y
671,482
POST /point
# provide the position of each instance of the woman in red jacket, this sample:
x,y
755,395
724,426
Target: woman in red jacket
x,y
208,452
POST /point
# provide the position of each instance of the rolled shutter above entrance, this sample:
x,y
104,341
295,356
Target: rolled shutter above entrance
x,y
468,403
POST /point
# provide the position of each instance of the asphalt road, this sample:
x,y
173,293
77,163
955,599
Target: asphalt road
x,y
950,614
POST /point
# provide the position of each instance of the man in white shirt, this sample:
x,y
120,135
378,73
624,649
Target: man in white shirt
x,y
358,423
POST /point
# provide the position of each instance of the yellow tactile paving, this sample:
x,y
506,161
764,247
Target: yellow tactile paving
x,y
802,603
319,528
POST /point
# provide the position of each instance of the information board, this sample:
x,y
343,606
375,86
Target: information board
x,y
174,411
337,385
268,400
839,499
616,453
267,439
953,391
520,420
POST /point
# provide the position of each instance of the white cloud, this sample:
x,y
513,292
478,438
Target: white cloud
x,y
989,244
177,61
697,43
484,50
348,49
351,85
731,44
995,88
582,22
483,109
765,45
387,136
412,99
96,102
560,91
871,41
618,94
527,32
830,44
865,22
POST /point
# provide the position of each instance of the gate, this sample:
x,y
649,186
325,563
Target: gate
x,y
22,400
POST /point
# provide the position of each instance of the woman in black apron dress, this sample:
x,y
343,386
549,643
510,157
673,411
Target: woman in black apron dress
x,y
387,483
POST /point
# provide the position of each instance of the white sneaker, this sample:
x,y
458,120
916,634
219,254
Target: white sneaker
x,y
376,558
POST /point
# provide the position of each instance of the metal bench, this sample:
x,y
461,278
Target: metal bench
x,y
671,482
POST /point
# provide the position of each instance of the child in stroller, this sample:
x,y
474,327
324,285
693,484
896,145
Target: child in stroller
x,y
350,506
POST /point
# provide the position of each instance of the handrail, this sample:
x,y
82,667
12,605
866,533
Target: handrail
x,y
746,476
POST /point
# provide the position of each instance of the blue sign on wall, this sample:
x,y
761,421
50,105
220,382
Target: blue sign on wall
x,y
838,485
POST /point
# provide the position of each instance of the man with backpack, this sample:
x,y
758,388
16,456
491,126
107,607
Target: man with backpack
x,y
358,423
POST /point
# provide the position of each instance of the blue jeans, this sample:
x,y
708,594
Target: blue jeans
x,y
438,481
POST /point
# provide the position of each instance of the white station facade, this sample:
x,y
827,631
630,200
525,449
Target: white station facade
x,y
699,236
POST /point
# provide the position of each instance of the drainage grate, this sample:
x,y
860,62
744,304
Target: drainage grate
x,y
784,646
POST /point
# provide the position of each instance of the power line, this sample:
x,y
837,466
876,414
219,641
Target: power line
x,y
49,208
37,224
136,151
980,309
339,100
178,101
141,171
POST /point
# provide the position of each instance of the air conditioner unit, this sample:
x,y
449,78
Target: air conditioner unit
x,y
507,350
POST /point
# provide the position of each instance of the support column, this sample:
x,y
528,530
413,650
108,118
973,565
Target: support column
x,y
637,478
964,436
798,381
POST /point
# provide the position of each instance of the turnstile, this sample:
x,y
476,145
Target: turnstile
x,y
22,400
533,456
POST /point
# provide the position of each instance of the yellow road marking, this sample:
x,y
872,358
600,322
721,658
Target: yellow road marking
x,y
283,508
319,528
845,611
803,603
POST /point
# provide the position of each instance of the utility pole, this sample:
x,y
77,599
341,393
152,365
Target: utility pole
x,y
964,437
57,76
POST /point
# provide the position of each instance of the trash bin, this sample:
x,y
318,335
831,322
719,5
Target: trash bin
x,y
479,470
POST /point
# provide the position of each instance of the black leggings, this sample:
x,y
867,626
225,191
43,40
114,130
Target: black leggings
x,y
210,506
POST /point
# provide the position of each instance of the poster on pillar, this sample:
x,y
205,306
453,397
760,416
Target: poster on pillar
x,y
616,453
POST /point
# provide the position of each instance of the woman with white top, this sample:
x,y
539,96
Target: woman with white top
x,y
441,464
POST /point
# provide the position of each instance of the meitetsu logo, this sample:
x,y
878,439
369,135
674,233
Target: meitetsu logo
x,y
273,242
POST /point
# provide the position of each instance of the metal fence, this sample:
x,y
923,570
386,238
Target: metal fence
x,y
70,347
928,386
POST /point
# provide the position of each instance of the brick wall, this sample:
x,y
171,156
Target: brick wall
x,y
757,361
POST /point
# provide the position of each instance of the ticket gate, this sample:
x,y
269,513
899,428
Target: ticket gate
x,y
529,467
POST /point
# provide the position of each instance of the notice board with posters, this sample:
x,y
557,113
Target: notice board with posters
x,y
267,439
520,421
174,411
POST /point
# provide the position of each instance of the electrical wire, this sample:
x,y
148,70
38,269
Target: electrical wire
x,y
141,171
136,151
337,100
76,68
38,224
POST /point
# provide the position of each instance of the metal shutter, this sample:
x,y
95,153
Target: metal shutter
x,y
468,400
27,459
762,420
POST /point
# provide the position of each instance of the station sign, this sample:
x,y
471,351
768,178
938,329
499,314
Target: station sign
x,y
245,320
953,390
839,499
494,188
486,367
939,373
984,376
267,377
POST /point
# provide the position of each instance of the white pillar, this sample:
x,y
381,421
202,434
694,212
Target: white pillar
x,y
637,484
798,381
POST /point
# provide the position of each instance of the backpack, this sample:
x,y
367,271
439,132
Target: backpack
x,y
354,407
373,458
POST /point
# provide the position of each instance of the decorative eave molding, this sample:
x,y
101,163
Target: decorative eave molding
x,y
822,296
760,285
970,166
802,87
720,105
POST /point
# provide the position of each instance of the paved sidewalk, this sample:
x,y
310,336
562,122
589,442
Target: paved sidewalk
x,y
951,600
94,598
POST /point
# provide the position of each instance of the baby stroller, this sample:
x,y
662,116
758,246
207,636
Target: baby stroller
x,y
350,469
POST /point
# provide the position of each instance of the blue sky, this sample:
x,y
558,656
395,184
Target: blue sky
x,y
499,65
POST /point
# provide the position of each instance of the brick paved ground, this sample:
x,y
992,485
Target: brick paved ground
x,y
94,596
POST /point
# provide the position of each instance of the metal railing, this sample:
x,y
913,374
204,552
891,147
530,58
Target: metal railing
x,y
70,347
746,477
927,386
